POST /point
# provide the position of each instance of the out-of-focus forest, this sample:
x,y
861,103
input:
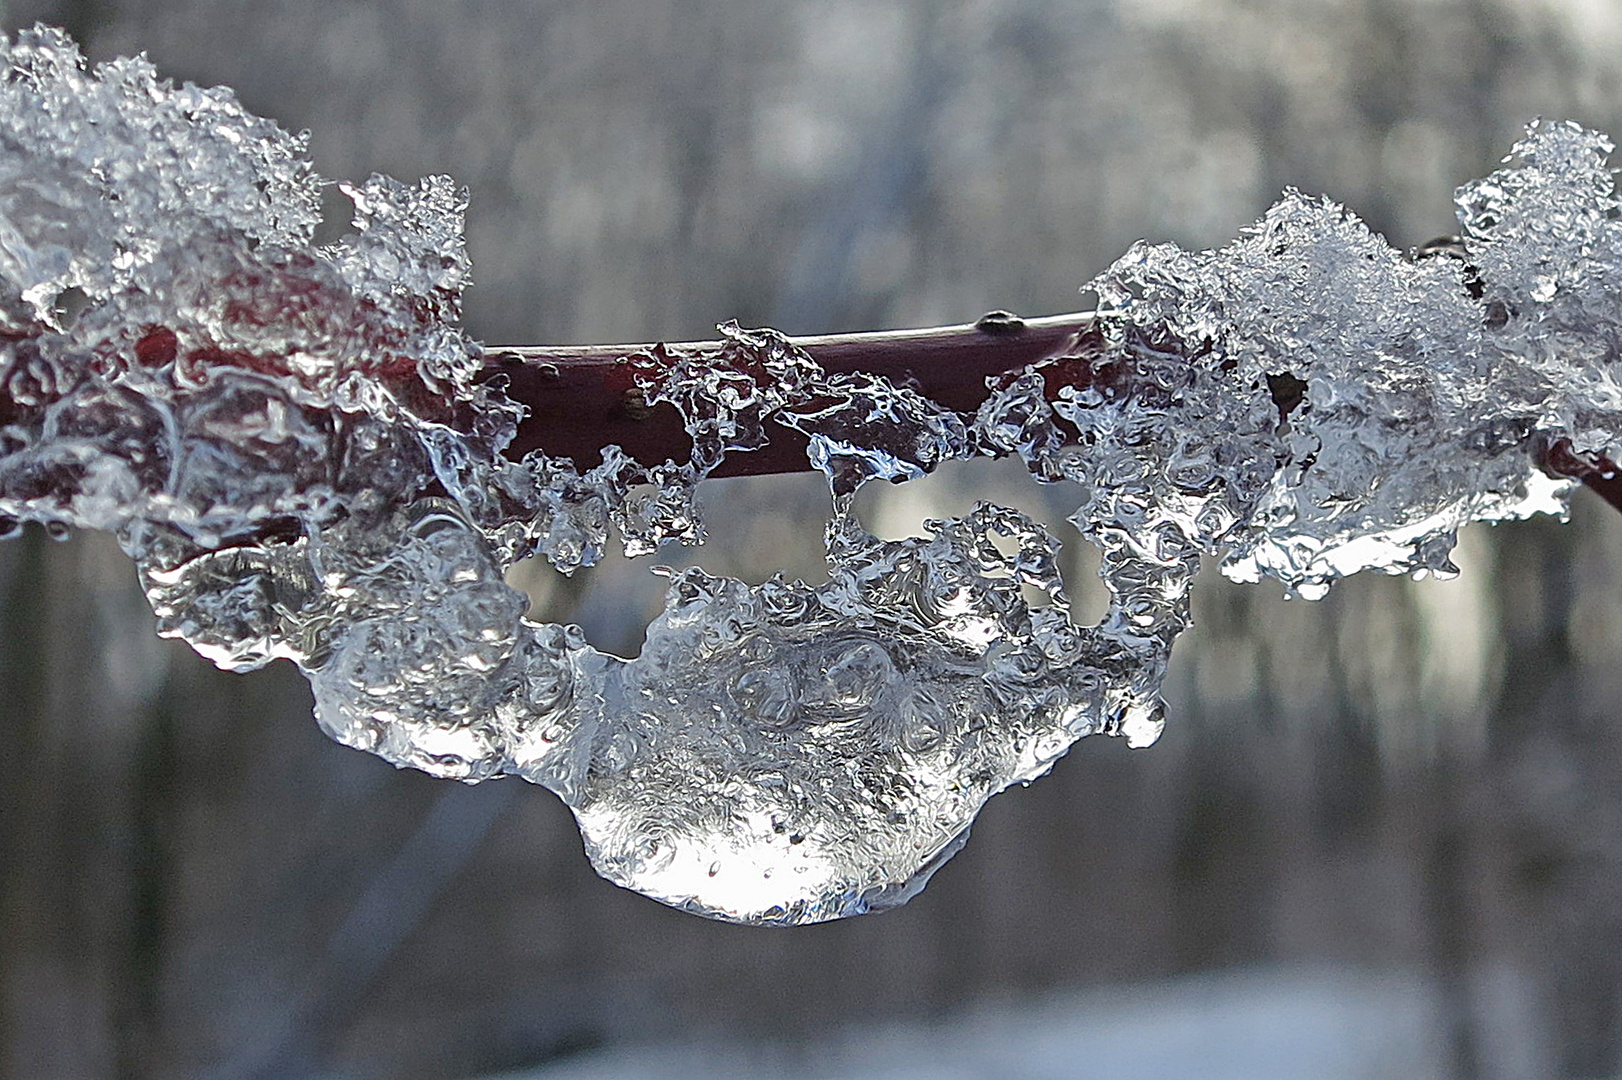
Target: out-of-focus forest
x,y
1419,782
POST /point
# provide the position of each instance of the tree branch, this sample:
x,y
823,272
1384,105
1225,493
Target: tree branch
x,y
1600,475
581,398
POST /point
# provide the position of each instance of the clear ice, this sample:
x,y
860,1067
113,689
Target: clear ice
x,y
294,445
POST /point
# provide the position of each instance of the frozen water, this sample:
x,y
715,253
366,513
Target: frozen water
x,y
294,445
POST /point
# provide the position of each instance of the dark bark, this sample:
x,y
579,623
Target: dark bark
x,y
581,398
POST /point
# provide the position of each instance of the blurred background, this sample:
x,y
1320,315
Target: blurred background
x,y
1381,837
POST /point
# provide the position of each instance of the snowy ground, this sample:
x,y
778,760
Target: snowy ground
x,y
1301,1024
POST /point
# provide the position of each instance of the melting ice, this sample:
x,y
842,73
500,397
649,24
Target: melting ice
x,y
292,444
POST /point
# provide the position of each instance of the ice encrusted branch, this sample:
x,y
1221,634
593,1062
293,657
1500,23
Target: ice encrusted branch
x,y
577,398
308,458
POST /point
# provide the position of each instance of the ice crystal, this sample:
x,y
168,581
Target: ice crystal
x,y
295,446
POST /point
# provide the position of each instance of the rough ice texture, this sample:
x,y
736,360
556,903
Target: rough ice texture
x,y
292,443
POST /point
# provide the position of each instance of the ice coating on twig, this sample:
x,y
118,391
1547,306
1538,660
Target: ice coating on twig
x,y
1419,384
295,445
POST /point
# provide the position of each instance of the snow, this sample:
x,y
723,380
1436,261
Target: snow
x,y
1261,1024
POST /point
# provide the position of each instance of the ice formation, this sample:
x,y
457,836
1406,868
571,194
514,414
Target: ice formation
x,y
294,444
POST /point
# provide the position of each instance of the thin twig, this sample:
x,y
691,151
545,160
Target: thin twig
x,y
584,397
1600,475
581,398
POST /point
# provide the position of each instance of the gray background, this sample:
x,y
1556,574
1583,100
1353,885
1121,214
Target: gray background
x,y
1410,778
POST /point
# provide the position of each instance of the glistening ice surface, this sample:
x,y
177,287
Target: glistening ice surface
x,y
292,443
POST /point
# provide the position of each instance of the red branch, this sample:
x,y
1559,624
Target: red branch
x,y
582,398
1599,474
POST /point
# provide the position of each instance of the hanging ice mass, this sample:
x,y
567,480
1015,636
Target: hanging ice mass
x,y
307,458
